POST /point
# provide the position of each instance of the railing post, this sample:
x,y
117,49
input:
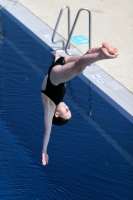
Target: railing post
x,y
56,26
89,12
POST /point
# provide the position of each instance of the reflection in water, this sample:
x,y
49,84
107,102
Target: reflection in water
x,y
76,99
71,92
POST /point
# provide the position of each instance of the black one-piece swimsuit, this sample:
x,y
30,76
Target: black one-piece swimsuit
x,y
55,93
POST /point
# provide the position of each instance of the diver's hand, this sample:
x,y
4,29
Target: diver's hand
x,y
45,158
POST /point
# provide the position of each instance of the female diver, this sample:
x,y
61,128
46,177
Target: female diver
x,y
53,86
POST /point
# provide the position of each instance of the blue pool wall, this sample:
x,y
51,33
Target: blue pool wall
x,y
106,172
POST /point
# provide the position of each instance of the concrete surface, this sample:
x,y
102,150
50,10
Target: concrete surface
x,y
112,21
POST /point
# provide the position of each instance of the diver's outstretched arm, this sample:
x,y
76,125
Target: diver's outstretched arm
x,y
48,117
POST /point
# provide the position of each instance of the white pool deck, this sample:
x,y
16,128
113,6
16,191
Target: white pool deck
x,y
111,21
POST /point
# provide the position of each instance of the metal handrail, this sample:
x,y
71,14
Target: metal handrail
x,y
56,26
89,12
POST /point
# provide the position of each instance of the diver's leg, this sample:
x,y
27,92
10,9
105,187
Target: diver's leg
x,y
60,74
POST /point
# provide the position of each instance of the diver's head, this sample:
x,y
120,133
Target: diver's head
x,y
62,114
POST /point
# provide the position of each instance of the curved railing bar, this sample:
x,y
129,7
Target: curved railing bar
x,y
89,12
57,23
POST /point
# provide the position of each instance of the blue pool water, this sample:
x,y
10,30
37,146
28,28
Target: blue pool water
x,y
90,157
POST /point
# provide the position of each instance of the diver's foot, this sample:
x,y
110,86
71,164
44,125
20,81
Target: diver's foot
x,y
106,53
111,49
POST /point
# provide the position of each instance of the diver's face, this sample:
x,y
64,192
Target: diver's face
x,y
63,111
